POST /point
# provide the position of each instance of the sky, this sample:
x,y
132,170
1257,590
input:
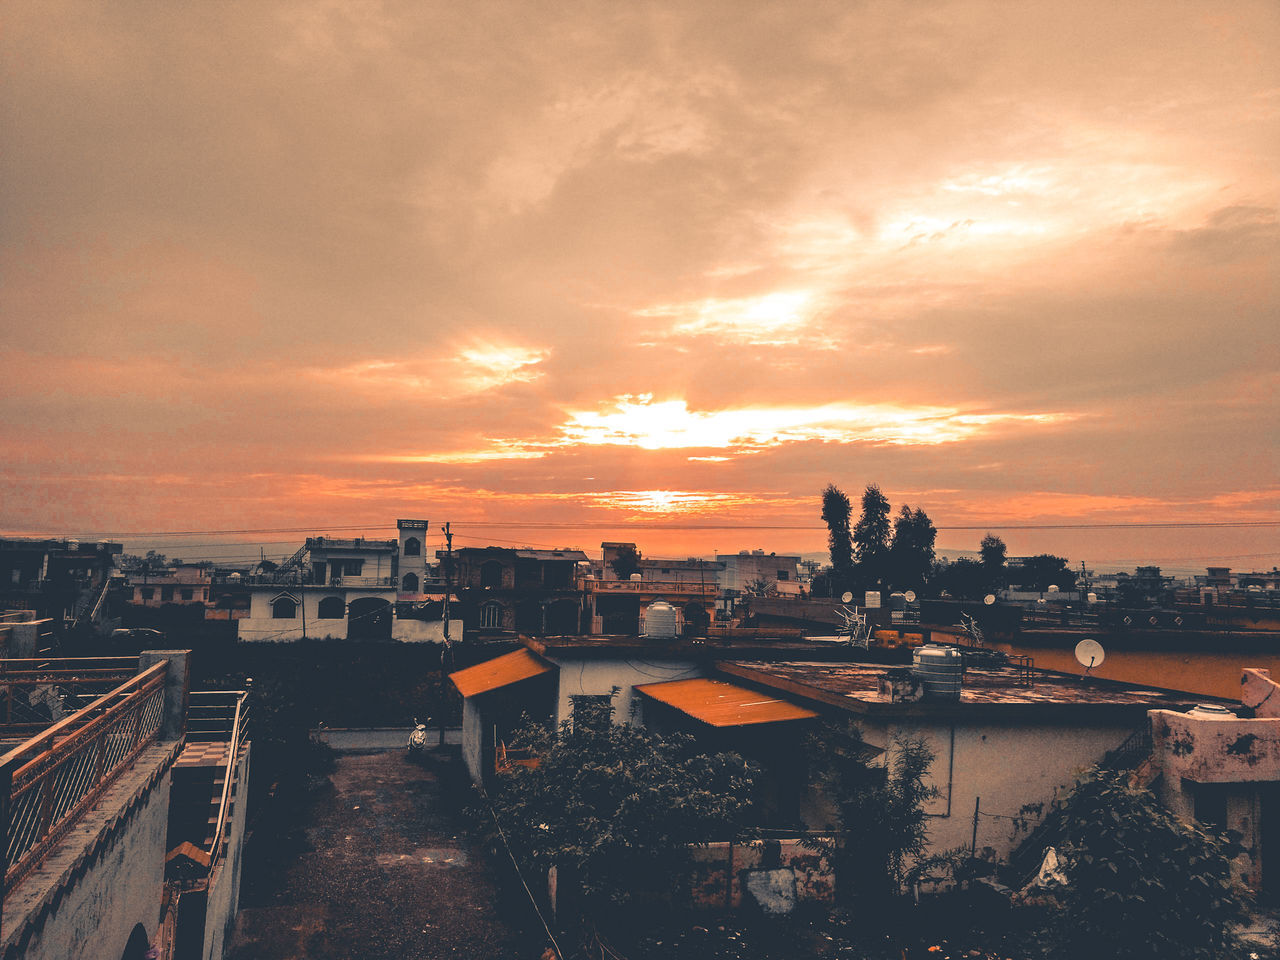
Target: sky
x,y
559,273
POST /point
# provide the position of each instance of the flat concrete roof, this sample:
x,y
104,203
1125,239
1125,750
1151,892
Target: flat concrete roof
x,y
988,690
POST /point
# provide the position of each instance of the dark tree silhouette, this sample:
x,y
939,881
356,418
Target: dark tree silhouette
x,y
871,536
626,562
836,512
993,560
911,553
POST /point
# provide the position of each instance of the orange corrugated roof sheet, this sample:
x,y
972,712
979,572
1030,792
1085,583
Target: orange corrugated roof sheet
x,y
498,672
723,704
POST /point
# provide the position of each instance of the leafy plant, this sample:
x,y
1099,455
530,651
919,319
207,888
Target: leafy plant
x,y
879,808
1142,883
615,807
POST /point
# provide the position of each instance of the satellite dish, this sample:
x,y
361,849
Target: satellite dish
x,y
1090,653
910,596
1053,588
989,599
846,597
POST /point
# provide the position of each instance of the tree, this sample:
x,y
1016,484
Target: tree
x,y
993,560
1042,571
964,579
836,512
879,808
1142,883
616,807
911,553
871,536
626,562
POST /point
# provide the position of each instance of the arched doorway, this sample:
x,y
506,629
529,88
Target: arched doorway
x,y
410,583
138,944
369,618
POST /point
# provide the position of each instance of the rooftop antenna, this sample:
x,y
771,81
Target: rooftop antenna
x,y
855,623
971,627
1090,654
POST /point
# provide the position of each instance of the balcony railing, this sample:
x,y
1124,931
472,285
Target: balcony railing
x,y
35,693
214,715
51,780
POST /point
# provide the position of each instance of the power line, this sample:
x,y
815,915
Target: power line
x,y
667,525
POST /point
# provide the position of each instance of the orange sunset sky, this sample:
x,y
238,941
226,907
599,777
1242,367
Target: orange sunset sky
x,y
653,271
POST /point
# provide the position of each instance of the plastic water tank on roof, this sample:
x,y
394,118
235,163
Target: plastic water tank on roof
x,y
1211,711
660,620
939,670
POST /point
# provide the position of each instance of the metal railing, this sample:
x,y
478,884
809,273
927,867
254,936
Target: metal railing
x,y
239,726
35,693
51,780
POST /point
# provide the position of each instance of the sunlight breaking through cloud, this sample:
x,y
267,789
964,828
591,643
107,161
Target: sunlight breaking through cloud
x,y
670,424
770,319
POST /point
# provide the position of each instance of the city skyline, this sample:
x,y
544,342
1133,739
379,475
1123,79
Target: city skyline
x,y
609,269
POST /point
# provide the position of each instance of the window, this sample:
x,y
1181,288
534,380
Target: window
x,y
187,594
284,608
491,616
410,583
491,574
166,594
413,547
784,575
331,608
147,592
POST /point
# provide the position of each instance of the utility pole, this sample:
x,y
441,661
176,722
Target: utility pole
x,y
448,578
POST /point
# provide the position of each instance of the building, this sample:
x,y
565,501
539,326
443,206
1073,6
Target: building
x,y
345,589
184,583
746,571
518,590
65,581
1219,765
1004,746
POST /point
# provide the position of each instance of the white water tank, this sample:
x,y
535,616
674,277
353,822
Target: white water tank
x,y
1211,711
939,670
661,621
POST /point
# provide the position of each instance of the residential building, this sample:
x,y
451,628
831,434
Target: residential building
x,y
183,583
344,589
65,581
1008,741
517,590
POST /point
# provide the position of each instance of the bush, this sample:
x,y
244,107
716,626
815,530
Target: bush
x,y
1142,883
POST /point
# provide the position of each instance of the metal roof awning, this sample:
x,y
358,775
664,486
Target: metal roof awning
x,y
722,704
499,672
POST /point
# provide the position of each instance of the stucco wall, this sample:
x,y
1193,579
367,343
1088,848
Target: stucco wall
x,y
1001,767
100,906
224,888
594,677
424,631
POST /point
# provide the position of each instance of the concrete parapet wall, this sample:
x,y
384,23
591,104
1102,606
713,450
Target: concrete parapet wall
x,y
1216,751
105,878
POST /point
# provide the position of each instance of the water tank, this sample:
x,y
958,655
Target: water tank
x,y
636,577
234,577
660,620
939,669
73,545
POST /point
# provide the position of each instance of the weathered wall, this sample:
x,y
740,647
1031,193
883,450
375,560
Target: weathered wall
x,y
473,739
224,887
593,677
424,631
1215,751
774,875
121,888
1001,767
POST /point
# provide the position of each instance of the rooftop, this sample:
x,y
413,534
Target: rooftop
x,y
1000,691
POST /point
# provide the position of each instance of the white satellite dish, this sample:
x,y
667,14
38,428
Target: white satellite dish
x,y
910,596
846,597
989,599
1090,653
1053,588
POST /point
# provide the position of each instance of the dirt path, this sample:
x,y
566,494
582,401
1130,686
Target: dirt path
x,y
389,874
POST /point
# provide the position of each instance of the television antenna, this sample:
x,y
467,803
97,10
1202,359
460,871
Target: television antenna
x,y
1090,654
971,627
855,626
